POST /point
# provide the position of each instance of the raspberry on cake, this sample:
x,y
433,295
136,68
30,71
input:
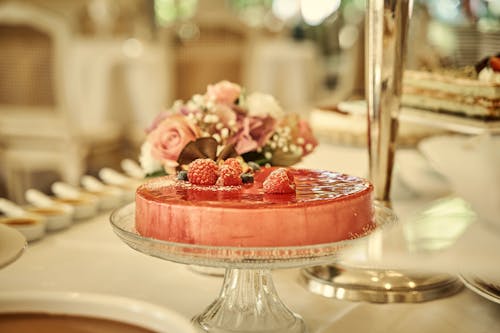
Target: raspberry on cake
x,y
229,176
279,181
203,172
326,207
235,164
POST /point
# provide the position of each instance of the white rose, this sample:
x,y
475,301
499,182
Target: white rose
x,y
148,163
263,105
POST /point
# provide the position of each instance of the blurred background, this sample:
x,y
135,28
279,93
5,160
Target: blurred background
x,y
81,79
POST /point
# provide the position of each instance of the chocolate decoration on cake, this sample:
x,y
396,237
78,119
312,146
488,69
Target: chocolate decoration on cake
x,y
205,148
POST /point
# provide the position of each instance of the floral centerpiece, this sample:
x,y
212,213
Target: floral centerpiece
x,y
225,122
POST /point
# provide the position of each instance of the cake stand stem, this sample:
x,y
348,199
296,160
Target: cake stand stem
x,y
248,302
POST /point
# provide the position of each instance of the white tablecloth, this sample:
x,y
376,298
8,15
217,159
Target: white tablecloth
x,y
89,257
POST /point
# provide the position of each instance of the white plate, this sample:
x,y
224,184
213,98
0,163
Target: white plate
x,y
12,244
415,171
487,289
126,310
472,166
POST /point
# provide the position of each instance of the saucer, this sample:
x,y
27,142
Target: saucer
x,y
483,287
12,244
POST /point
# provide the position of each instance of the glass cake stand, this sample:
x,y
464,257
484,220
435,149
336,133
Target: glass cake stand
x,y
248,301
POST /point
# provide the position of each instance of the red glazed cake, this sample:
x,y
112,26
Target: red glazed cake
x,y
326,207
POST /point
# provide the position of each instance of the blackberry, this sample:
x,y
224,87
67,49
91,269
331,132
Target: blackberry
x,y
246,178
182,175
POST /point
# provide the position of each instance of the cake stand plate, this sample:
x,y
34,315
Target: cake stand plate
x,y
248,301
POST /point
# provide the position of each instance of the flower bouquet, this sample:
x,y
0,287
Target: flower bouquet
x,y
225,122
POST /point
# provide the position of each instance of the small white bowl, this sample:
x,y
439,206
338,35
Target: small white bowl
x,y
30,225
109,197
85,206
56,217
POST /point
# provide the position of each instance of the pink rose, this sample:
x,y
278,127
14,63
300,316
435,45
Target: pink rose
x,y
253,133
224,92
308,141
158,119
169,137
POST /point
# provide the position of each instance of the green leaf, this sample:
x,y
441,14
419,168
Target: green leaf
x,y
158,173
253,156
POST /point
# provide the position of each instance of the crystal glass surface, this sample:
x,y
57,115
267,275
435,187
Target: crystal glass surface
x,y
248,301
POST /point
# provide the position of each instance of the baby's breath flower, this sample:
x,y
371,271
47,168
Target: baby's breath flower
x,y
197,99
178,104
217,137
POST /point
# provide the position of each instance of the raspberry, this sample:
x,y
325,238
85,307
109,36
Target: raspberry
x,y
228,176
203,172
278,182
235,164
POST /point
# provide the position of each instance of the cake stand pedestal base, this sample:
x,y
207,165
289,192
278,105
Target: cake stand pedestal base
x,y
377,285
248,302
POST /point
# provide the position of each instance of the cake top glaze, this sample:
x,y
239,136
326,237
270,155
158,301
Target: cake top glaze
x,y
313,187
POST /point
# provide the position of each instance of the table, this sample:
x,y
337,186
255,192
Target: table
x,y
89,258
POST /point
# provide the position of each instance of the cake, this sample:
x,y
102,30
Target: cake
x,y
215,181
325,207
346,124
469,92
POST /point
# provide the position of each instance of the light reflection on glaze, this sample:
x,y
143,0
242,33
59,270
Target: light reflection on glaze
x,y
311,186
